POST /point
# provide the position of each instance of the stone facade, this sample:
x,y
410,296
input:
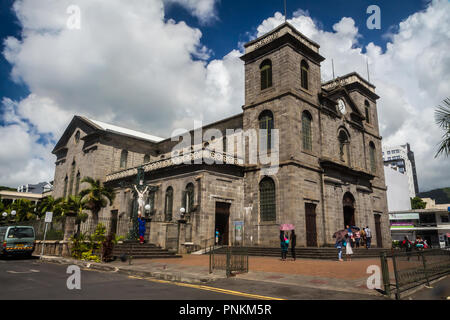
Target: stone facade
x,y
318,189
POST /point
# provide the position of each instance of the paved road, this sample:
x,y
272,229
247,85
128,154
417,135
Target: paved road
x,y
33,279
438,291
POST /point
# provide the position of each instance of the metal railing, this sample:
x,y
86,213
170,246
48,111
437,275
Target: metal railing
x,y
412,269
230,259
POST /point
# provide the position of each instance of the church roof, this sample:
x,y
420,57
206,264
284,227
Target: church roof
x,y
124,131
90,126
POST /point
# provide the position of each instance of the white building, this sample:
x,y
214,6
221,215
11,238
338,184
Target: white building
x,y
398,193
432,225
401,158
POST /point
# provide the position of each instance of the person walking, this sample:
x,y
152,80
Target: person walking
x,y
368,237
357,238
293,238
284,245
348,248
363,237
338,245
408,247
141,222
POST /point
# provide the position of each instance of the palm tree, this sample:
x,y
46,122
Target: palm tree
x,y
96,196
47,205
24,210
442,117
75,206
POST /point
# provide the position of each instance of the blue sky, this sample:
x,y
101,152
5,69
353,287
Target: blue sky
x,y
158,65
237,18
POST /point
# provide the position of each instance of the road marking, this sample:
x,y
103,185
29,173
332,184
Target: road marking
x,y
16,272
208,288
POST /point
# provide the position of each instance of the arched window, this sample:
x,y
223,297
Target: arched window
x,y
72,178
224,144
146,158
344,147
77,183
266,74
77,136
304,74
66,182
267,202
373,163
168,204
188,198
123,159
306,130
367,109
266,126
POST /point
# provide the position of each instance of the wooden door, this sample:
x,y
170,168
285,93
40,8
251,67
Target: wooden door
x,y
311,229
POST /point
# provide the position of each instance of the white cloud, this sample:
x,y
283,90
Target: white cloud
x,y
126,65
129,66
204,10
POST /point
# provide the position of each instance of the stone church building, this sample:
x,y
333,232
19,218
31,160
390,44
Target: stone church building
x,y
329,161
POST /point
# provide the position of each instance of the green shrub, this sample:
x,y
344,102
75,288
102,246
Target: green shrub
x,y
88,256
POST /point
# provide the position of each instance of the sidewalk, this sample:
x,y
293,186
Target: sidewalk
x,y
348,276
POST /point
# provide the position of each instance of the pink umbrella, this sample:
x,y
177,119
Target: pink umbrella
x,y
287,227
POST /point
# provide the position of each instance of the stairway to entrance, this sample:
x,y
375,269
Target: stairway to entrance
x,y
143,251
311,253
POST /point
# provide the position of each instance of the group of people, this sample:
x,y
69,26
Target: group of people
x,y
419,244
287,239
354,238
359,237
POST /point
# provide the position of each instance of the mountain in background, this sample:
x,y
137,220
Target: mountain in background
x,y
441,196
7,188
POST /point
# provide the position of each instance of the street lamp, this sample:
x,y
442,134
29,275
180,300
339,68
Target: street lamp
x,y
4,214
13,213
182,212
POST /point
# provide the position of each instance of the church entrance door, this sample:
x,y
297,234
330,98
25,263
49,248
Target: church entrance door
x,y
222,222
311,230
349,209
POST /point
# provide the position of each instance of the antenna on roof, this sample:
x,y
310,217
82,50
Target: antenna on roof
x,y
332,66
368,74
285,11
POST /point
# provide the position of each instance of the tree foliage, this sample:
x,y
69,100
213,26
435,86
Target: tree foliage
x,y
442,117
96,196
417,203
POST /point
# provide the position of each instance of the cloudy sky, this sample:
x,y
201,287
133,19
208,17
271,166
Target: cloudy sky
x,y
158,65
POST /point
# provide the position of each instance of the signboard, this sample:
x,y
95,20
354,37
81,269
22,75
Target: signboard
x,y
48,217
404,216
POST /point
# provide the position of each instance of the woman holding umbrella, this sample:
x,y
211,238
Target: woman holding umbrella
x,y
284,243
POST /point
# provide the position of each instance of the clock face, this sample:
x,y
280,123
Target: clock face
x,y
341,106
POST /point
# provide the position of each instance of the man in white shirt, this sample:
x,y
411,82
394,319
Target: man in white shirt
x,y
368,236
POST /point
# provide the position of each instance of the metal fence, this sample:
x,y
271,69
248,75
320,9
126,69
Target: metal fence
x,y
403,271
119,227
230,259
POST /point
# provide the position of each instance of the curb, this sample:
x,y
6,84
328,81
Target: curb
x,y
168,276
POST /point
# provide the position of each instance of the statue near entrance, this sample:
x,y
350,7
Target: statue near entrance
x,y
141,201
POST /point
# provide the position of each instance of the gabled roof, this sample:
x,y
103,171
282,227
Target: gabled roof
x,y
124,131
90,126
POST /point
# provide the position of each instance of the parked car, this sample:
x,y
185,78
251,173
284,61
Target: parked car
x,y
17,240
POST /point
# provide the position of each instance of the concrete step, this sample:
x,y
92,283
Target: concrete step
x,y
310,253
143,251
